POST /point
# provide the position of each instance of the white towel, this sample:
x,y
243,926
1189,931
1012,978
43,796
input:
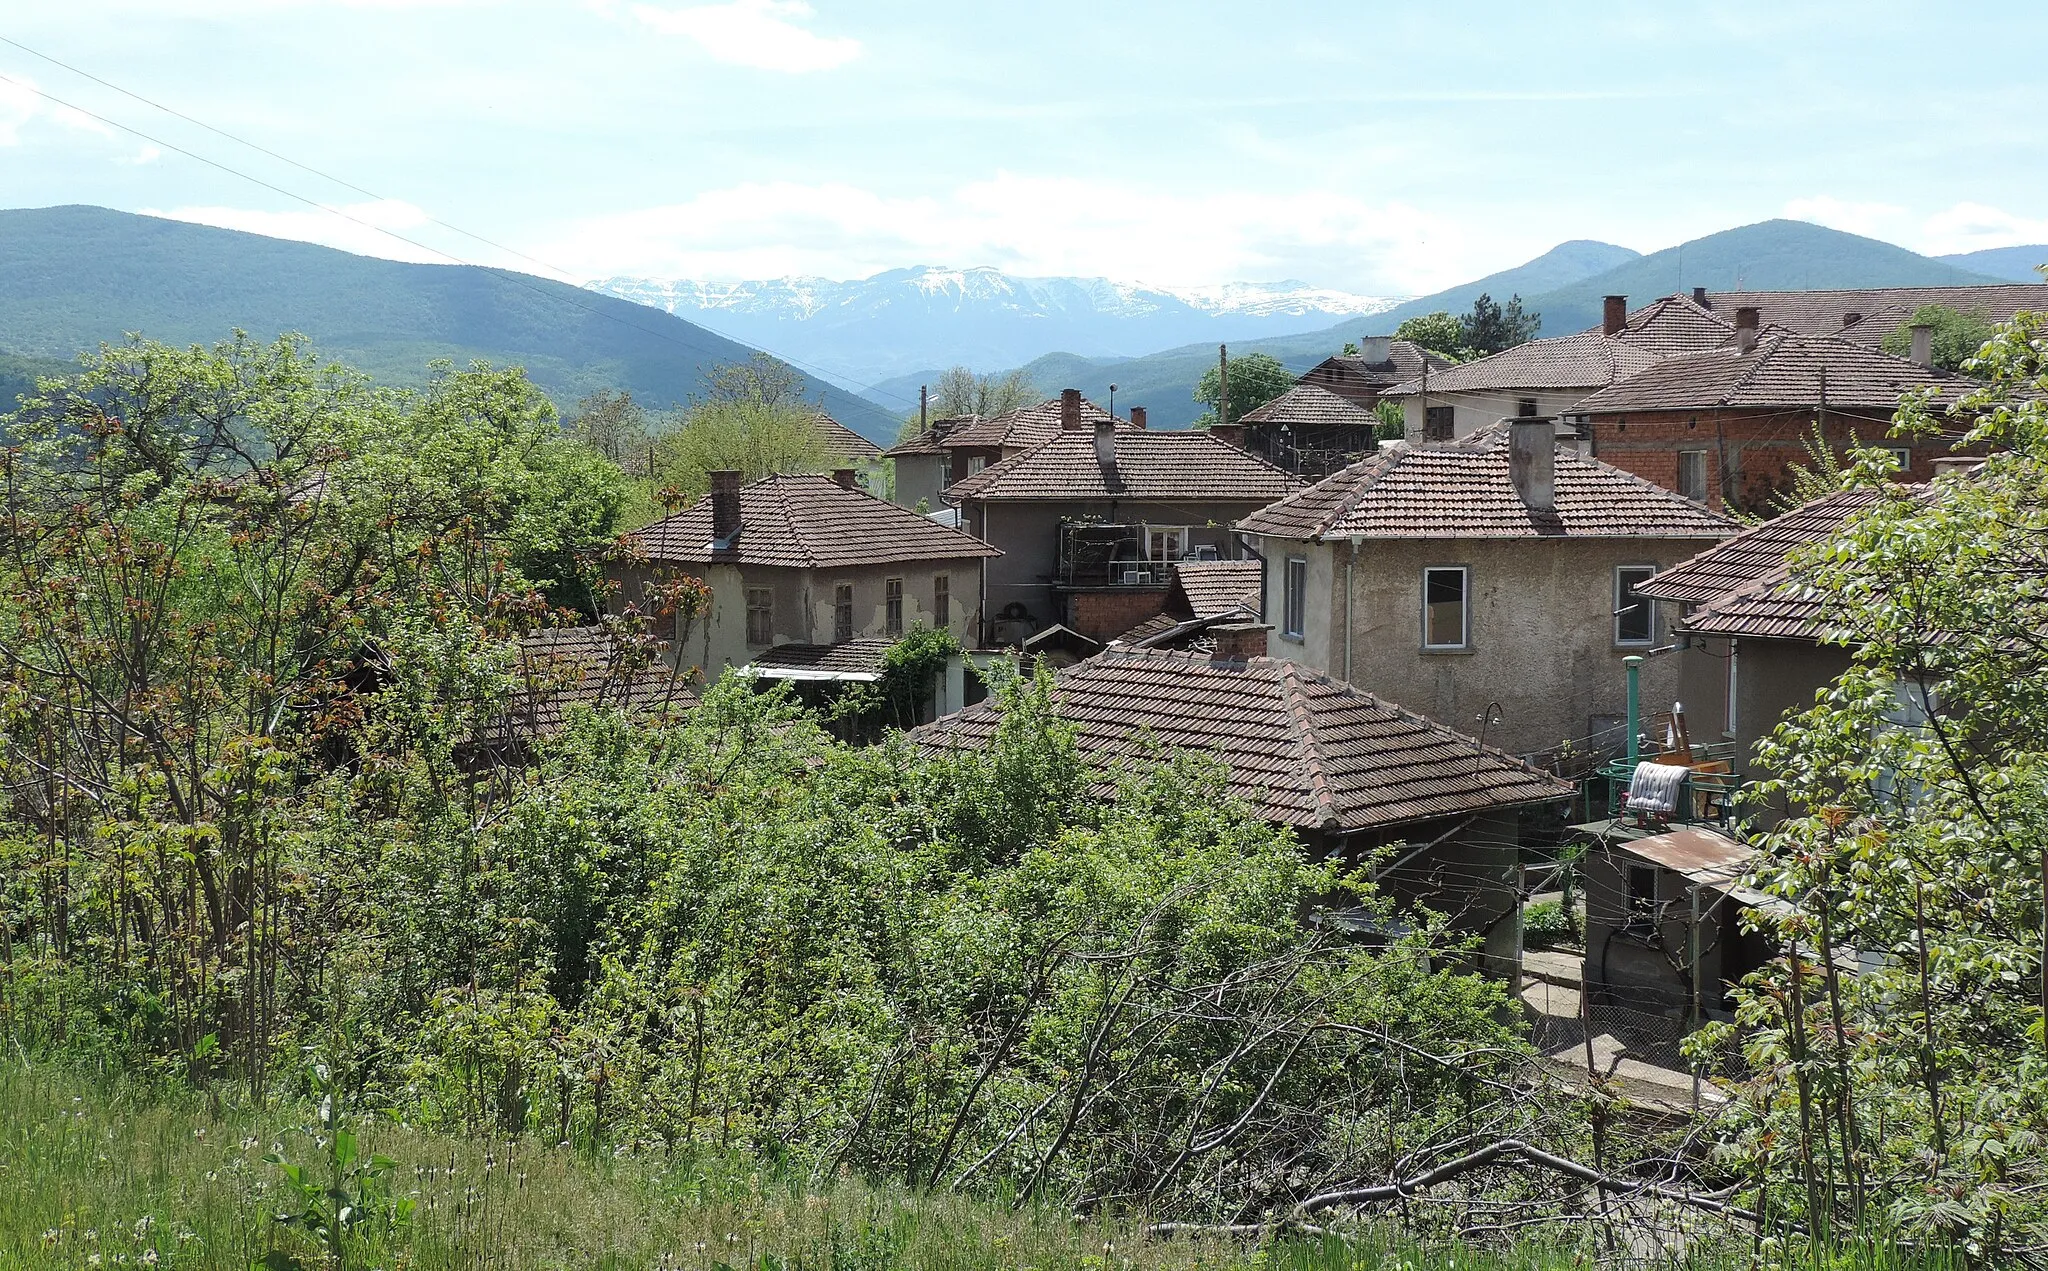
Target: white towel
x,y
1655,788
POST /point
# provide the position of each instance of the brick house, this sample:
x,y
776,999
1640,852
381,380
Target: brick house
x,y
1093,520
1866,315
810,561
1346,771
1724,426
1491,582
952,450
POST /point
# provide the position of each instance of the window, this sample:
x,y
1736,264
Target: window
x,y
1642,898
1444,616
1439,423
842,613
892,607
1526,408
1902,457
942,601
1167,542
975,463
1294,598
1635,617
1692,475
760,615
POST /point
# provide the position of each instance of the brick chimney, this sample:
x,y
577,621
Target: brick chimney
x,y
1138,416
1229,434
1923,344
1532,462
1745,328
1699,297
1238,641
1070,409
1376,349
844,479
1105,455
1613,315
725,506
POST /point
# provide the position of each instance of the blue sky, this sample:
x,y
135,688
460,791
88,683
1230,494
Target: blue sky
x,y
1387,149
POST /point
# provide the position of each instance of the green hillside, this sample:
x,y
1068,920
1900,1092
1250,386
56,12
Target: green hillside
x,y
1564,285
2012,264
71,277
18,376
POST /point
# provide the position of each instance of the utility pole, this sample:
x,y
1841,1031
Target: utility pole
x,y
923,403
1425,395
1222,384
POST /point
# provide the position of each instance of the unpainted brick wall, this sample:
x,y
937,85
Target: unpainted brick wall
x,y
1105,615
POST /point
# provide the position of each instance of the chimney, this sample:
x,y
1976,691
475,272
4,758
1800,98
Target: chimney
x,y
1228,434
1699,297
1532,462
843,477
1105,455
1374,350
1850,319
1923,344
725,506
1613,315
1745,328
1070,409
1238,641
1138,416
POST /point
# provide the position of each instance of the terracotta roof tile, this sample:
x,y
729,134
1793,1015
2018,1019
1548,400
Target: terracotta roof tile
x,y
1217,587
1351,374
1025,426
842,442
809,522
1783,370
1586,361
1463,490
1884,309
1311,405
1196,466
1302,749
560,668
1675,324
848,657
1757,551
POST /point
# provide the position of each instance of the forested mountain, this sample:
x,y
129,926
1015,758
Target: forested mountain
x,y
71,277
898,321
2009,264
1564,285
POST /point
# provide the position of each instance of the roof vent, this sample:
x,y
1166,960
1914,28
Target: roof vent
x,y
1376,349
1923,344
1699,297
1745,328
844,478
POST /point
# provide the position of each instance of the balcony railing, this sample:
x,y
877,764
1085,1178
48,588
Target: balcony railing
x,y
1707,796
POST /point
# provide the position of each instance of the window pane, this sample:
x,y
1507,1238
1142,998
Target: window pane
x,y
892,598
1295,602
1444,608
1692,475
942,600
842,612
1632,613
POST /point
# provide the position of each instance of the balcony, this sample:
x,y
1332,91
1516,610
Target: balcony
x,y
1095,554
1707,794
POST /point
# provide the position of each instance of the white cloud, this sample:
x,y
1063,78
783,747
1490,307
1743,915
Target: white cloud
x,y
1039,225
1969,227
311,225
21,105
758,33
1872,220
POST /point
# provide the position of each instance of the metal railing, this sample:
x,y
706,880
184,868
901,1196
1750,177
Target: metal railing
x,y
1709,795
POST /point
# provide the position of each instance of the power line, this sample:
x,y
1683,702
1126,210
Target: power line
x,y
507,275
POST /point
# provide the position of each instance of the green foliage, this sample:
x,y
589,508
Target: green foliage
x,y
1393,425
1913,1093
1957,336
1547,923
912,670
1491,327
1438,332
1255,379
960,393
613,424
756,437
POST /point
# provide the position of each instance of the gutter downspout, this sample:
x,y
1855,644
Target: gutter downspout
x,y
1634,663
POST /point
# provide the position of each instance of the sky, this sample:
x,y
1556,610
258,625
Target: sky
x,y
1377,148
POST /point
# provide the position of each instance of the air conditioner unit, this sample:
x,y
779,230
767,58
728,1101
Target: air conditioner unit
x,y
1132,577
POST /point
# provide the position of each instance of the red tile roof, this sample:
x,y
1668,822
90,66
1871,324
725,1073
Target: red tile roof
x,y
1217,587
1757,551
1189,466
1310,405
1025,426
845,660
560,668
1884,309
1675,324
842,442
1463,490
809,522
1302,749
1585,361
1350,373
1783,371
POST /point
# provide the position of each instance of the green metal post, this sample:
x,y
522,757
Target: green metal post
x,y
1634,663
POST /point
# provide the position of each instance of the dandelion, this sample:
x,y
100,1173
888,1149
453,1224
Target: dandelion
x,y
149,1257
142,1226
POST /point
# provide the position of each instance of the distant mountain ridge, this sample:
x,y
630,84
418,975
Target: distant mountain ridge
x,y
2013,264
903,319
1564,285
71,277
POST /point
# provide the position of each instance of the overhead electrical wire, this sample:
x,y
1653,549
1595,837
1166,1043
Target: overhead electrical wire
x,y
507,275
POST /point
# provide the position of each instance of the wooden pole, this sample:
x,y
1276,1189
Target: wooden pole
x,y
1222,384
923,404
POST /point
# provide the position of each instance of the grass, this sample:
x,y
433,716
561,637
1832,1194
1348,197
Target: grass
x,y
93,1175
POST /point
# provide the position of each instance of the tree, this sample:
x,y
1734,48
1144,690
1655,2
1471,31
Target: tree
x,y
756,437
1255,379
761,380
1490,328
613,424
1957,336
1438,332
961,394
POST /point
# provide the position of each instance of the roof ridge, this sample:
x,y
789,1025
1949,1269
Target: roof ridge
x,y
1388,460
1756,368
1305,733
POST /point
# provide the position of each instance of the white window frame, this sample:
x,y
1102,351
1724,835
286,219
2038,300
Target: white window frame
x,y
1705,483
1179,534
1464,574
1903,457
975,463
1293,598
1621,603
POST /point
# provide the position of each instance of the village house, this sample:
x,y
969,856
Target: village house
x,y
1489,582
952,450
799,564
1546,377
1202,595
1093,521
1309,430
1381,362
1347,771
1726,426
1866,315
